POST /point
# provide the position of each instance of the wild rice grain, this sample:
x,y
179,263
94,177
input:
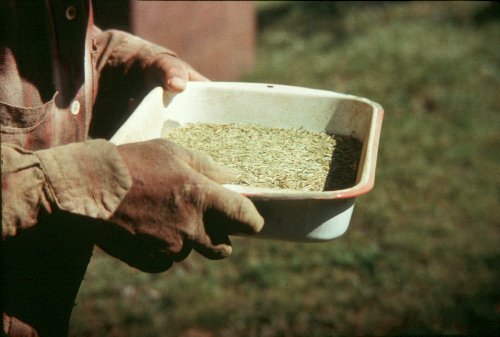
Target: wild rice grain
x,y
269,157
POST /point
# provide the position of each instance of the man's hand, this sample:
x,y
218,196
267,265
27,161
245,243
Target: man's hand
x,y
160,65
171,72
174,205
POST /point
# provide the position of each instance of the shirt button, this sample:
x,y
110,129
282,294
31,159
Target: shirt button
x,y
75,107
71,13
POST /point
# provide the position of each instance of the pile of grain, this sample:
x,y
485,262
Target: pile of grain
x,y
280,158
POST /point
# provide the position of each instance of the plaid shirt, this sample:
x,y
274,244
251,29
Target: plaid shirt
x,y
53,175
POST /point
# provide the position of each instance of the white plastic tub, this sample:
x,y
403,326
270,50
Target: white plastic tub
x,y
289,215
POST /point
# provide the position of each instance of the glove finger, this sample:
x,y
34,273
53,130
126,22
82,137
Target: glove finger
x,y
205,237
138,251
177,73
175,84
176,79
184,253
213,247
174,75
230,211
224,212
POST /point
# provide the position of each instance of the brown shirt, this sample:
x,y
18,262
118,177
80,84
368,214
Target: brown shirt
x,y
53,176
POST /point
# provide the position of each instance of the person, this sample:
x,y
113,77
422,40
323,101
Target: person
x,y
147,203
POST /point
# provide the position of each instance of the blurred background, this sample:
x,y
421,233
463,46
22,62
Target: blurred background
x,y
422,253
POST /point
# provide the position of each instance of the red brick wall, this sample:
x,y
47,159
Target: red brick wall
x,y
218,38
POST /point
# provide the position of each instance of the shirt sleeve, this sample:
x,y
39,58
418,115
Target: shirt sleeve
x,y
88,179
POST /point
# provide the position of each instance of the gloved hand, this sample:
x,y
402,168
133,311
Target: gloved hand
x,y
159,65
175,204
170,72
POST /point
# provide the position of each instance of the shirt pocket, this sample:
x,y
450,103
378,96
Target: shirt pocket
x,y
28,127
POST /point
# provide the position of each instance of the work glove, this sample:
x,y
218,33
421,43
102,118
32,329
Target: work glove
x,y
159,65
147,204
170,72
175,204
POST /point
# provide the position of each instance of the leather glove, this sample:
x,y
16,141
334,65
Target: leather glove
x,y
175,204
160,65
170,72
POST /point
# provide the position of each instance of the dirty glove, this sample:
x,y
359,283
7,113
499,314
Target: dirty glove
x,y
88,179
175,204
159,65
171,73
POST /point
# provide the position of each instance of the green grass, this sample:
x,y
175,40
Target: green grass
x,y
422,253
